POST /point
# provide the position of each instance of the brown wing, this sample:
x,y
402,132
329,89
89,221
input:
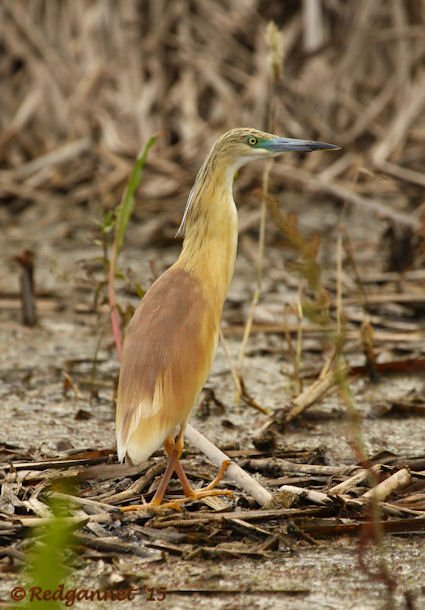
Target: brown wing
x,y
167,355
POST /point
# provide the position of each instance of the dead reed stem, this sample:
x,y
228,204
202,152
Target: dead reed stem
x,y
275,46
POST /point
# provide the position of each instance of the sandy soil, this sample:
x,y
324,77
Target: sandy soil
x,y
37,417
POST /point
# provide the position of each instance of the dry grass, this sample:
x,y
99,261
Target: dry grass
x,y
86,83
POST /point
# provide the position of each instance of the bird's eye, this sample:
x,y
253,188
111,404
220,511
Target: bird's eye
x,y
252,141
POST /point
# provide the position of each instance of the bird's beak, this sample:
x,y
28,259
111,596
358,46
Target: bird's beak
x,y
278,145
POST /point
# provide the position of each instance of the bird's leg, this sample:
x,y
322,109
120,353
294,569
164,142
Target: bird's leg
x,y
155,503
193,494
173,457
174,449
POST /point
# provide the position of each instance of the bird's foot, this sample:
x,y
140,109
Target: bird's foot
x,y
199,494
191,495
153,507
209,490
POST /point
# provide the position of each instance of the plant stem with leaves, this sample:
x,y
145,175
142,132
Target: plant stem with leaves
x,y
123,215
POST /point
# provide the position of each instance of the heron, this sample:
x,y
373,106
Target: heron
x,y
172,337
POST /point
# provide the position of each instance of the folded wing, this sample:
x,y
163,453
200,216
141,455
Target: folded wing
x,y
167,354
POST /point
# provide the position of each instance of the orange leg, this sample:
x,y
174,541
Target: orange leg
x,y
189,492
156,501
173,456
174,450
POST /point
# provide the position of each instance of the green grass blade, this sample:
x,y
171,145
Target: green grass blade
x,y
125,208
46,567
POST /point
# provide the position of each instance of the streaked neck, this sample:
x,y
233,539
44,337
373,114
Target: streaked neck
x,y
211,231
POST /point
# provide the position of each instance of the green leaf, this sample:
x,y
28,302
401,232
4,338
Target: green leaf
x,y
126,206
139,290
47,568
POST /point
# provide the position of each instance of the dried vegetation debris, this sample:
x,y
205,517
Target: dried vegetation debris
x,y
312,500
88,84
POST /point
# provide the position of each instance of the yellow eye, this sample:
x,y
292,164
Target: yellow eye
x,y
252,141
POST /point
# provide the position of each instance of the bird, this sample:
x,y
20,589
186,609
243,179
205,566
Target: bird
x,y
170,342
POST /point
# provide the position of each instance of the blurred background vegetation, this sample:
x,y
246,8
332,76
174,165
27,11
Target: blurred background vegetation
x,y
85,83
83,86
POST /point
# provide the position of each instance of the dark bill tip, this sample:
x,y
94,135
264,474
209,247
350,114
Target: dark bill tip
x,y
289,144
322,146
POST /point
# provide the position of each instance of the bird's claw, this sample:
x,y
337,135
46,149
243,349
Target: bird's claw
x,y
153,507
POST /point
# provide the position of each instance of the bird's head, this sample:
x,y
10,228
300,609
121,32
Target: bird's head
x,y
236,148
241,145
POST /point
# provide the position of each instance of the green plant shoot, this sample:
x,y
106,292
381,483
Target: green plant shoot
x,y
125,208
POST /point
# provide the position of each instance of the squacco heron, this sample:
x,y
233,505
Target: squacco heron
x,y
171,340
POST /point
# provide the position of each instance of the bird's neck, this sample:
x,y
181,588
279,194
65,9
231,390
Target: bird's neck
x,y
211,232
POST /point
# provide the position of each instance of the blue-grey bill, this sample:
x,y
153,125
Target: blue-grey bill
x,y
290,144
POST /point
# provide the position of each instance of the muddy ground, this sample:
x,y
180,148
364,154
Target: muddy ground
x,y
39,419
